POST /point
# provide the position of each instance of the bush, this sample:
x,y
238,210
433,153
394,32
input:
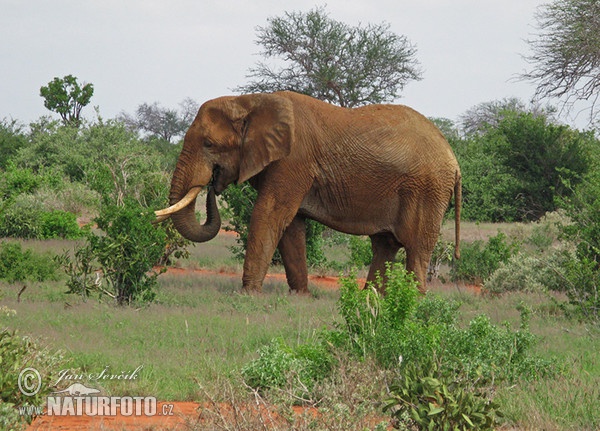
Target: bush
x,y
531,273
17,353
429,397
361,252
21,218
582,274
298,369
59,224
479,260
18,265
26,218
126,253
516,170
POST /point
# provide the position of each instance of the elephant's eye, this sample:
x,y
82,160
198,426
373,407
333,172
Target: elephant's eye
x,y
208,144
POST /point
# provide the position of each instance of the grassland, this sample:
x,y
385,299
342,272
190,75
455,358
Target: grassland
x,y
193,341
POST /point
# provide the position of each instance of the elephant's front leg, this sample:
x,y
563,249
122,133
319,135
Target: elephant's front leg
x,y
292,247
271,216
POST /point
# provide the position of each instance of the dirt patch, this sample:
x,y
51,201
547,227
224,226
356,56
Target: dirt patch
x,y
187,416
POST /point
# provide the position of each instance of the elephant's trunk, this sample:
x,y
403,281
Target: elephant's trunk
x,y
188,226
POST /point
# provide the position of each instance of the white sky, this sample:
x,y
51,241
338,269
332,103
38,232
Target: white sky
x,y
137,51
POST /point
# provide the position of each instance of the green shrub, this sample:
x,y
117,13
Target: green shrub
x,y
16,181
427,396
297,369
582,274
16,354
83,272
59,224
21,218
531,273
126,253
479,260
361,252
18,265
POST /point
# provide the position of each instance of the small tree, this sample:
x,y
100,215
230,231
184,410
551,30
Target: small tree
x,y
332,61
66,97
125,252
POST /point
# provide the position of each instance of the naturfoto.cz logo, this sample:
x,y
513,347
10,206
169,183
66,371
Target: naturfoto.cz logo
x,y
79,399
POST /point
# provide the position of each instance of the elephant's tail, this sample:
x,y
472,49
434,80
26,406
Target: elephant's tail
x,y
457,205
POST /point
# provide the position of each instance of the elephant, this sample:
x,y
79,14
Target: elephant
x,y
379,170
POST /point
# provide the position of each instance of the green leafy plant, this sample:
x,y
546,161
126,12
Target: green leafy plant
x,y
18,265
439,400
126,253
17,353
479,260
297,369
59,224
128,250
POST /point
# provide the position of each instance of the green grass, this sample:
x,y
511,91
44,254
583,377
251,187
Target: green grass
x,y
194,340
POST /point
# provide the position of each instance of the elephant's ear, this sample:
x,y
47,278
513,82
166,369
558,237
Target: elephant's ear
x,y
268,132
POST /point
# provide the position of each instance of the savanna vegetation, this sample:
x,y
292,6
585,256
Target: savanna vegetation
x,y
83,286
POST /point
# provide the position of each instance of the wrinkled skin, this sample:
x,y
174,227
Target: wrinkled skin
x,y
383,170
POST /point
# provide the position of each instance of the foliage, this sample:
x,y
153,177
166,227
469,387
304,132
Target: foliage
x,y
281,366
17,353
332,61
83,273
126,252
479,260
516,171
487,115
583,273
437,399
67,97
12,139
16,181
59,224
26,218
565,56
361,252
18,265
530,273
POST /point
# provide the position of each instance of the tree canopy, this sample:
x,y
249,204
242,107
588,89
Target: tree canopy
x,y
332,61
67,97
566,53
163,123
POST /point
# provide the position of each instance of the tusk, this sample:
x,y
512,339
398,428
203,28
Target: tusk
x,y
184,202
161,218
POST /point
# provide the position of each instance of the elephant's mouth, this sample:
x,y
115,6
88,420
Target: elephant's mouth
x,y
214,181
192,193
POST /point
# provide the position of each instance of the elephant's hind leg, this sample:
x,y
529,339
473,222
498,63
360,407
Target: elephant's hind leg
x,y
385,247
292,247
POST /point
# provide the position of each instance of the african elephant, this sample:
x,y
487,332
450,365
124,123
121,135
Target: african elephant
x,y
381,170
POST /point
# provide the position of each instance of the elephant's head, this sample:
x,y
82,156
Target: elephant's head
x,y
231,140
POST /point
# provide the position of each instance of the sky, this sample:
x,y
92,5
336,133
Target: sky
x,y
145,51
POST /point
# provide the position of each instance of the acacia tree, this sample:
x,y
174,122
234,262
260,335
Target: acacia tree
x,y
67,98
332,61
566,53
163,123
480,118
